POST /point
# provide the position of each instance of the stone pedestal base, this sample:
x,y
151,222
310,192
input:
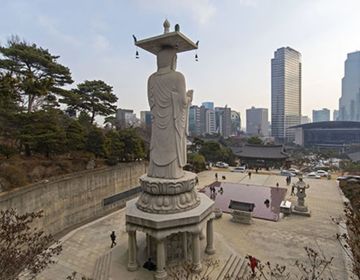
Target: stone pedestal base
x,y
166,196
301,210
241,217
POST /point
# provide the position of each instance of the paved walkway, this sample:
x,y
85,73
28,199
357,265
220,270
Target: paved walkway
x,y
281,242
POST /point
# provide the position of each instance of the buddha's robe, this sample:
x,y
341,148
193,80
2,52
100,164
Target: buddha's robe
x,y
169,106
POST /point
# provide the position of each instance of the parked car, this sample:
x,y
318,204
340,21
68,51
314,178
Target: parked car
x,y
287,173
343,180
313,175
221,164
349,177
322,173
295,171
241,169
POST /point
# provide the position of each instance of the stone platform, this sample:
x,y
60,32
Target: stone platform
x,y
282,242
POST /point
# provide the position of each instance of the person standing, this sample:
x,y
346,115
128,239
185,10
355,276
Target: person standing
x,y
216,176
113,239
249,174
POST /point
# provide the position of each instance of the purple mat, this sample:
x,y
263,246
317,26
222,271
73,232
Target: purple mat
x,y
249,193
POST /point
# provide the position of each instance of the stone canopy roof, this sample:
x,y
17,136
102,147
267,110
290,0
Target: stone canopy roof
x,y
261,151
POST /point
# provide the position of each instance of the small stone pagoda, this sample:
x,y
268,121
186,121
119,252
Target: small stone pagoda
x,y
300,207
169,210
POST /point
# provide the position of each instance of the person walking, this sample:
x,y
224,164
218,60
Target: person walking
x,y
253,264
293,189
216,176
249,174
113,239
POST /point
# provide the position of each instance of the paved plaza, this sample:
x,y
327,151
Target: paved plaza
x,y
87,249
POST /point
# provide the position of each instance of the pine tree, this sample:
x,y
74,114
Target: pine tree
x,y
93,97
37,72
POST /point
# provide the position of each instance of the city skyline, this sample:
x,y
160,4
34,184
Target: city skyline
x,y
237,40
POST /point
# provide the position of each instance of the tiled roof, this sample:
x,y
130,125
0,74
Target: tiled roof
x,y
261,151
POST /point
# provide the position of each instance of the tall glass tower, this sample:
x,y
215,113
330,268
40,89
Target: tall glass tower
x,y
285,93
349,103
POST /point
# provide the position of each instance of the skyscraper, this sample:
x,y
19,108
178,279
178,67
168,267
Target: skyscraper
x,y
349,102
321,115
223,120
285,93
210,121
257,121
194,120
335,115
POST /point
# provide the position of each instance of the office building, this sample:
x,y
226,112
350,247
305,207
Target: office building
x,y
336,115
285,93
194,120
235,123
210,122
349,102
335,134
145,118
257,121
305,119
208,105
201,121
223,121
125,118
322,115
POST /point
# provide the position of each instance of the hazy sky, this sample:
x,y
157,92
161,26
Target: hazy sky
x,y
237,41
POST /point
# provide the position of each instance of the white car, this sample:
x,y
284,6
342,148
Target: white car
x,y
295,171
322,173
313,175
241,169
221,164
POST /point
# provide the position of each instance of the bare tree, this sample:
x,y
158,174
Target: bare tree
x,y
350,241
24,249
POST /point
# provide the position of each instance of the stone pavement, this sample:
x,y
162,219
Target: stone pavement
x,y
280,242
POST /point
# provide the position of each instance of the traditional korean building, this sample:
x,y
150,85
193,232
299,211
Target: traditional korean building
x,y
262,156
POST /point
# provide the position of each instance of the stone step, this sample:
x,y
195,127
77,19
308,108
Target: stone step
x,y
225,267
102,267
235,269
238,269
231,268
244,270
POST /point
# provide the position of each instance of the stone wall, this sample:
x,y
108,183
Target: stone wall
x,y
73,199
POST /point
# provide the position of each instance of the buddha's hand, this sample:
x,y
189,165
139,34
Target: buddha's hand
x,y
190,94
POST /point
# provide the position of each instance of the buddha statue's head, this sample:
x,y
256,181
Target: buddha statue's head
x,y
167,57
